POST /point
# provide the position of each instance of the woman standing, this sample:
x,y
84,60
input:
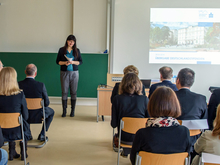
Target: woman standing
x,y
69,58
12,100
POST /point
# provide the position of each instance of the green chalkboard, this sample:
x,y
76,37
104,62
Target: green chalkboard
x,y
92,72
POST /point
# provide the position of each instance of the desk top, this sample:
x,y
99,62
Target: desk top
x,y
104,89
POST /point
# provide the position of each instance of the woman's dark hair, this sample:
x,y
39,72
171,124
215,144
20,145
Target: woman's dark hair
x,y
75,51
164,103
130,84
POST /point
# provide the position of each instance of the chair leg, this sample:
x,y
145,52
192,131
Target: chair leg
x,y
23,147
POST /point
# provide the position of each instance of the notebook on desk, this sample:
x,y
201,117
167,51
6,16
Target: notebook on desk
x,y
146,82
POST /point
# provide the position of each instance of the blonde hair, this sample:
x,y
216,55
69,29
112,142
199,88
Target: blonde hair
x,y
130,84
131,69
216,123
8,82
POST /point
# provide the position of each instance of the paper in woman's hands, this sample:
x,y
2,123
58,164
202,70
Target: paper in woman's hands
x,y
69,59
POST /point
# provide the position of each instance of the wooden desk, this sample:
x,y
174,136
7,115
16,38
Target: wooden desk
x,y
104,102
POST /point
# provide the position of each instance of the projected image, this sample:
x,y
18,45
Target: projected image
x,y
185,36
184,42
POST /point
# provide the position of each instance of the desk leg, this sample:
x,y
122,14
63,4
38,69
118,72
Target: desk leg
x,y
97,117
103,119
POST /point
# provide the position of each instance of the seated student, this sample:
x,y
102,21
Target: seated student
x,y
129,103
163,133
35,89
193,105
209,141
166,73
128,69
214,101
12,100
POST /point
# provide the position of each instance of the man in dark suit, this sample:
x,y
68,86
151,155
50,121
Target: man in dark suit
x,y
166,73
214,101
35,89
193,105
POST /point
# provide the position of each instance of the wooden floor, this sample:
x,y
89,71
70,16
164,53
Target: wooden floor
x,y
74,141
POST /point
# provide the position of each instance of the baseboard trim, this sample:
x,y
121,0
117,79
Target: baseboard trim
x,y
80,101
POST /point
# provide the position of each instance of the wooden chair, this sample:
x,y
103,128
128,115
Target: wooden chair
x,y
129,125
35,106
147,158
12,120
195,127
209,159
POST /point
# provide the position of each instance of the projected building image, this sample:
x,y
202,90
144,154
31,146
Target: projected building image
x,y
185,36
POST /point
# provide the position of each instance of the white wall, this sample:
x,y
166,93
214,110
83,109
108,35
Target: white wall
x,y
34,25
43,25
131,41
90,24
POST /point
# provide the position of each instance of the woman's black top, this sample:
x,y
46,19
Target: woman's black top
x,y
12,104
127,105
61,57
161,140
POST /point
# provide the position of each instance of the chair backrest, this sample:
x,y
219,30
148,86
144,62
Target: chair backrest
x,y
33,103
147,158
9,120
132,125
209,159
194,126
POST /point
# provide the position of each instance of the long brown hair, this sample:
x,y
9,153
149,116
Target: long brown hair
x,y
130,84
8,82
216,123
75,51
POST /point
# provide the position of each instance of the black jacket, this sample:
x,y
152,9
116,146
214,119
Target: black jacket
x,y
61,57
11,104
35,89
126,105
193,105
163,83
161,140
212,107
